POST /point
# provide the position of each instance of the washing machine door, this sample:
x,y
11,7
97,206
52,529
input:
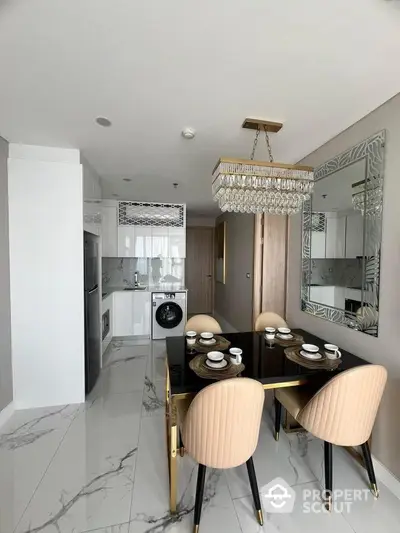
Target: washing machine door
x,y
169,315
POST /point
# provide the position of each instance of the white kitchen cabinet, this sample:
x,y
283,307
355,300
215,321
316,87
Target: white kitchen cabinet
x,y
328,295
109,231
323,294
91,201
143,241
132,313
141,313
335,236
318,244
354,235
177,243
160,241
123,314
126,241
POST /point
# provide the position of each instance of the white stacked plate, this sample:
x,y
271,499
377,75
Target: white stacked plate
x,y
207,342
311,352
216,360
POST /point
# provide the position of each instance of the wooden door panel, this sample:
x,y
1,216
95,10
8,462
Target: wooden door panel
x,y
199,269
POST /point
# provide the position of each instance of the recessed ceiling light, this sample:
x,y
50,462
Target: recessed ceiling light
x,y
103,121
115,194
127,179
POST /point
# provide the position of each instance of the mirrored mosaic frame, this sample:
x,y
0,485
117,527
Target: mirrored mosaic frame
x,y
372,150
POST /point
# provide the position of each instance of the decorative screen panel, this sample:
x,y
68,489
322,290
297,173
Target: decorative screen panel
x,y
318,222
151,214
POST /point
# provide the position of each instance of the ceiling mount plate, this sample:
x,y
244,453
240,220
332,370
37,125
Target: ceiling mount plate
x,y
257,124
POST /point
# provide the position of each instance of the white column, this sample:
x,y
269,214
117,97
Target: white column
x,y
46,271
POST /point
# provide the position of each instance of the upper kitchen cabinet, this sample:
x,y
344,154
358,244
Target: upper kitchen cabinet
x,y
177,242
354,235
160,242
151,230
143,241
126,241
109,228
335,235
92,212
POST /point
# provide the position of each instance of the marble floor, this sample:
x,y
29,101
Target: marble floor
x,y
101,467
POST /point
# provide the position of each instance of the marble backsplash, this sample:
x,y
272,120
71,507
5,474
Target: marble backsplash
x,y
337,272
120,271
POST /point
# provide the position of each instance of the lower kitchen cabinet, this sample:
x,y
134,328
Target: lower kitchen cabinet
x,y
131,313
141,313
123,314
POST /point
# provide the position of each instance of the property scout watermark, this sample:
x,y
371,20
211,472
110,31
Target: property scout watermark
x,y
279,497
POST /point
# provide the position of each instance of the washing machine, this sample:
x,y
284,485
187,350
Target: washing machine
x,y
169,314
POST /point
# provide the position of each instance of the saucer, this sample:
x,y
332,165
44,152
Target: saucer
x,y
207,342
308,355
285,337
216,366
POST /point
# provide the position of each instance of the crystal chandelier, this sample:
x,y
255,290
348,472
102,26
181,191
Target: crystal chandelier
x,y
248,186
368,199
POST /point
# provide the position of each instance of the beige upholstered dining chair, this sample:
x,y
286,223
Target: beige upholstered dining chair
x,y
221,430
200,323
269,319
342,412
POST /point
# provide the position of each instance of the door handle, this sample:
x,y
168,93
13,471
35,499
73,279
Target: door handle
x,y
208,276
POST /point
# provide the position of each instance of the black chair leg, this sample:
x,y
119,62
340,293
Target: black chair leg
x,y
278,417
328,475
180,444
201,477
370,469
254,489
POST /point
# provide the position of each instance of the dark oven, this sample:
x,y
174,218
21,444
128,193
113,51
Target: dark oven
x,y
352,306
105,324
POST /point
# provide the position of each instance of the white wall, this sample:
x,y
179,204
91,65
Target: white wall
x,y
192,220
46,264
384,349
6,387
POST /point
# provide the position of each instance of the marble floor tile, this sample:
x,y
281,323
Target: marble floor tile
x,y
153,397
367,514
89,482
150,497
28,443
294,522
121,375
119,528
271,459
156,362
102,467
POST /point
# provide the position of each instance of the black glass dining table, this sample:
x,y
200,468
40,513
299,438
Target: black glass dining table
x,y
266,364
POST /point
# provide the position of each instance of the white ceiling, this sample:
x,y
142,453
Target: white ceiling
x,y
155,67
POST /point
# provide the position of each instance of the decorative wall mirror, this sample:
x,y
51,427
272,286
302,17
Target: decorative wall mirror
x,y
341,238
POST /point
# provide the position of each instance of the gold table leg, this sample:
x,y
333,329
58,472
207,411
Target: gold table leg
x,y
172,458
172,441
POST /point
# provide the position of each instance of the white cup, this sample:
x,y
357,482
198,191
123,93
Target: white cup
x,y
332,351
236,355
270,333
284,331
191,338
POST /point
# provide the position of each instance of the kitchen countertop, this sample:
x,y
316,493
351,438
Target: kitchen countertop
x,y
163,287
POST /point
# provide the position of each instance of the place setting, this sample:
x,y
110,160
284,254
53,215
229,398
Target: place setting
x,y
283,336
217,365
311,356
205,342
